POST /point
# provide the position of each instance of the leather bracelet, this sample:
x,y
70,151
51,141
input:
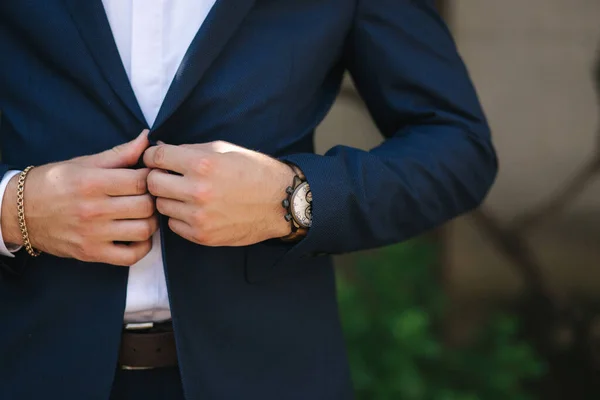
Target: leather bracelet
x,y
297,232
21,213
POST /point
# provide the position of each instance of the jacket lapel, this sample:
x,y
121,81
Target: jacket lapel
x,y
220,24
94,28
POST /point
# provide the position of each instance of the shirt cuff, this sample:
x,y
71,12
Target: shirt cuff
x,y
6,249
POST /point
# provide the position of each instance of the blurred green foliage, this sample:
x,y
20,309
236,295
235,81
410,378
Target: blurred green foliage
x,y
392,306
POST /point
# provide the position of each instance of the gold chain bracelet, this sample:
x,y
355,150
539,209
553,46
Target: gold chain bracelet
x,y
21,213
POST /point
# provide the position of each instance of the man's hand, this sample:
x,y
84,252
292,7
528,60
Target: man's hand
x,y
225,195
87,208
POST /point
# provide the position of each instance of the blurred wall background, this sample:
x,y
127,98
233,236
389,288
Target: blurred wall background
x,y
531,62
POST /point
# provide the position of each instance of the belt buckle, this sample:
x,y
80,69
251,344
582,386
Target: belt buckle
x,y
130,368
137,326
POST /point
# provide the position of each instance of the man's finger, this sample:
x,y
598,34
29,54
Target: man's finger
x,y
121,156
163,184
171,158
176,209
126,254
132,207
135,230
125,182
184,230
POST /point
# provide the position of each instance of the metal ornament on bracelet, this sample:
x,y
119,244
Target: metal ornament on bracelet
x,y
21,213
298,205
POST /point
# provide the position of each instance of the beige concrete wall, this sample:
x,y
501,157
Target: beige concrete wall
x,y
531,62
348,123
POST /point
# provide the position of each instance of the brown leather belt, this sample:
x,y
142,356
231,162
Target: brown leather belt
x,y
148,346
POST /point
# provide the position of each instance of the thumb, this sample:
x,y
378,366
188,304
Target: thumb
x,y
121,156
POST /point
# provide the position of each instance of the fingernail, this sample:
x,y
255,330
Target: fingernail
x,y
160,142
145,132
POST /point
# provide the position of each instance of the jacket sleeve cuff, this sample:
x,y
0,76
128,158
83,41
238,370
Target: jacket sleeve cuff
x,y
6,249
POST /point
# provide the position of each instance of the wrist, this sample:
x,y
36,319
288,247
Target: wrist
x,y
10,221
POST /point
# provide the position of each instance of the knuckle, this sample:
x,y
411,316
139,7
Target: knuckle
x,y
200,236
129,258
148,206
198,218
145,249
148,229
141,185
87,211
197,195
151,183
205,166
159,156
140,252
219,145
160,205
171,224
200,193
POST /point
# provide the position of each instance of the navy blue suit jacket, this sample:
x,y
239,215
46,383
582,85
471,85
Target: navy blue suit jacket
x,y
259,322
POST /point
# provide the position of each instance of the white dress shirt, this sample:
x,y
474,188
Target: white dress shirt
x,y
152,37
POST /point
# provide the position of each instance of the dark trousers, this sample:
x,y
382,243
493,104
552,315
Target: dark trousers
x,y
152,384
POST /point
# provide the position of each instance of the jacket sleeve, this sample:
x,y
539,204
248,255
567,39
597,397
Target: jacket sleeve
x,y
437,160
9,265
